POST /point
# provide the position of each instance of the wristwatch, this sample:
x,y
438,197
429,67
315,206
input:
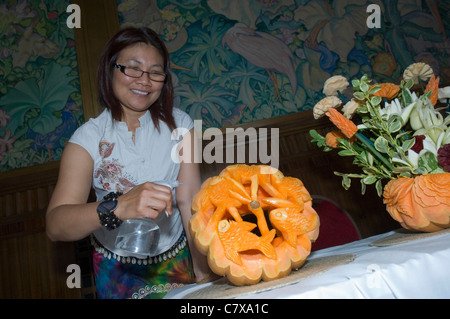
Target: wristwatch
x,y
106,209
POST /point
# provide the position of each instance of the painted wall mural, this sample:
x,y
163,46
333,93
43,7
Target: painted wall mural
x,y
40,101
234,61
238,61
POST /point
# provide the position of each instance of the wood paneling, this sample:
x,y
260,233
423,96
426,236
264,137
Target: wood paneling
x,y
31,266
99,22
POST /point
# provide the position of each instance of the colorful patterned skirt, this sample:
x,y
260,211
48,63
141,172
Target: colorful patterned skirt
x,y
119,277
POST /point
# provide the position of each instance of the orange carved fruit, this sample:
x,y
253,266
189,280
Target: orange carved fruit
x,y
421,203
433,86
253,223
388,90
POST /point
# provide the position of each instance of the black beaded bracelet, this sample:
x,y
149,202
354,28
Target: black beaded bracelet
x,y
112,195
107,218
110,221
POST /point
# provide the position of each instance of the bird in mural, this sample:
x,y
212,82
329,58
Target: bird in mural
x,y
263,50
52,140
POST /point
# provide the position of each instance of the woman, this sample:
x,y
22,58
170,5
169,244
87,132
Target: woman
x,y
121,154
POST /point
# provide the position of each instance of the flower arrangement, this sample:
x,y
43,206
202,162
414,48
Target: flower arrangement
x,y
390,130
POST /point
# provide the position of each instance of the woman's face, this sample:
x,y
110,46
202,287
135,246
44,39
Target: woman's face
x,y
136,95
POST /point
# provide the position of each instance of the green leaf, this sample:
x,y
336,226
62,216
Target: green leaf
x,y
345,142
346,181
363,187
427,94
406,174
401,169
428,161
370,180
349,175
403,134
381,145
374,89
379,188
358,95
315,134
362,109
408,144
419,171
346,153
409,84
355,83
370,158
406,96
395,123
375,100
319,140
364,87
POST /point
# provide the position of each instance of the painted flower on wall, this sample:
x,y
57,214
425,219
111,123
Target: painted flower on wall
x,y
384,64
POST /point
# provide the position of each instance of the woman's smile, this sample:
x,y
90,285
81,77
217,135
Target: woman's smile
x,y
139,92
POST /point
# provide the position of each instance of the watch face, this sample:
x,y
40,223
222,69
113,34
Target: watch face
x,y
107,206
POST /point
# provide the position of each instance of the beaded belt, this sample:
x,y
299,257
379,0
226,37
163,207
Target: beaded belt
x,y
170,253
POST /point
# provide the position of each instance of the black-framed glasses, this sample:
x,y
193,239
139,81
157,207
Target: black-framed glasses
x,y
137,73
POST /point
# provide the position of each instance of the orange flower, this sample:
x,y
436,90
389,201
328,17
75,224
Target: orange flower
x,y
331,138
344,124
388,90
421,203
433,86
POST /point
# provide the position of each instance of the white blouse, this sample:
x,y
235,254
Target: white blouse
x,y
120,164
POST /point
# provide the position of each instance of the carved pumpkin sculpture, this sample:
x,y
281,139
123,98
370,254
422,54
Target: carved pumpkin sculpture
x,y
421,203
267,248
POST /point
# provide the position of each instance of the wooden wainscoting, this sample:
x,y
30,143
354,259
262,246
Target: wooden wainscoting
x,y
32,266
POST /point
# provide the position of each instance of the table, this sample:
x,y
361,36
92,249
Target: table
x,y
418,267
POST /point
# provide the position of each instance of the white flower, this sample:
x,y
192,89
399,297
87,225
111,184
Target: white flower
x,y
424,115
334,84
350,108
433,132
322,106
417,70
444,94
395,107
413,158
446,137
429,146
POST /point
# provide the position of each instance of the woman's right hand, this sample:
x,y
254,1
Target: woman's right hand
x,y
147,200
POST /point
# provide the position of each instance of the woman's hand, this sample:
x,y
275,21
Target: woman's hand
x,y
147,200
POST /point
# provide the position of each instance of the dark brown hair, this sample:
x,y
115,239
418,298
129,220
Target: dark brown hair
x,y
163,107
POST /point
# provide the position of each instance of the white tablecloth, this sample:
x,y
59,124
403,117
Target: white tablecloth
x,y
414,269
